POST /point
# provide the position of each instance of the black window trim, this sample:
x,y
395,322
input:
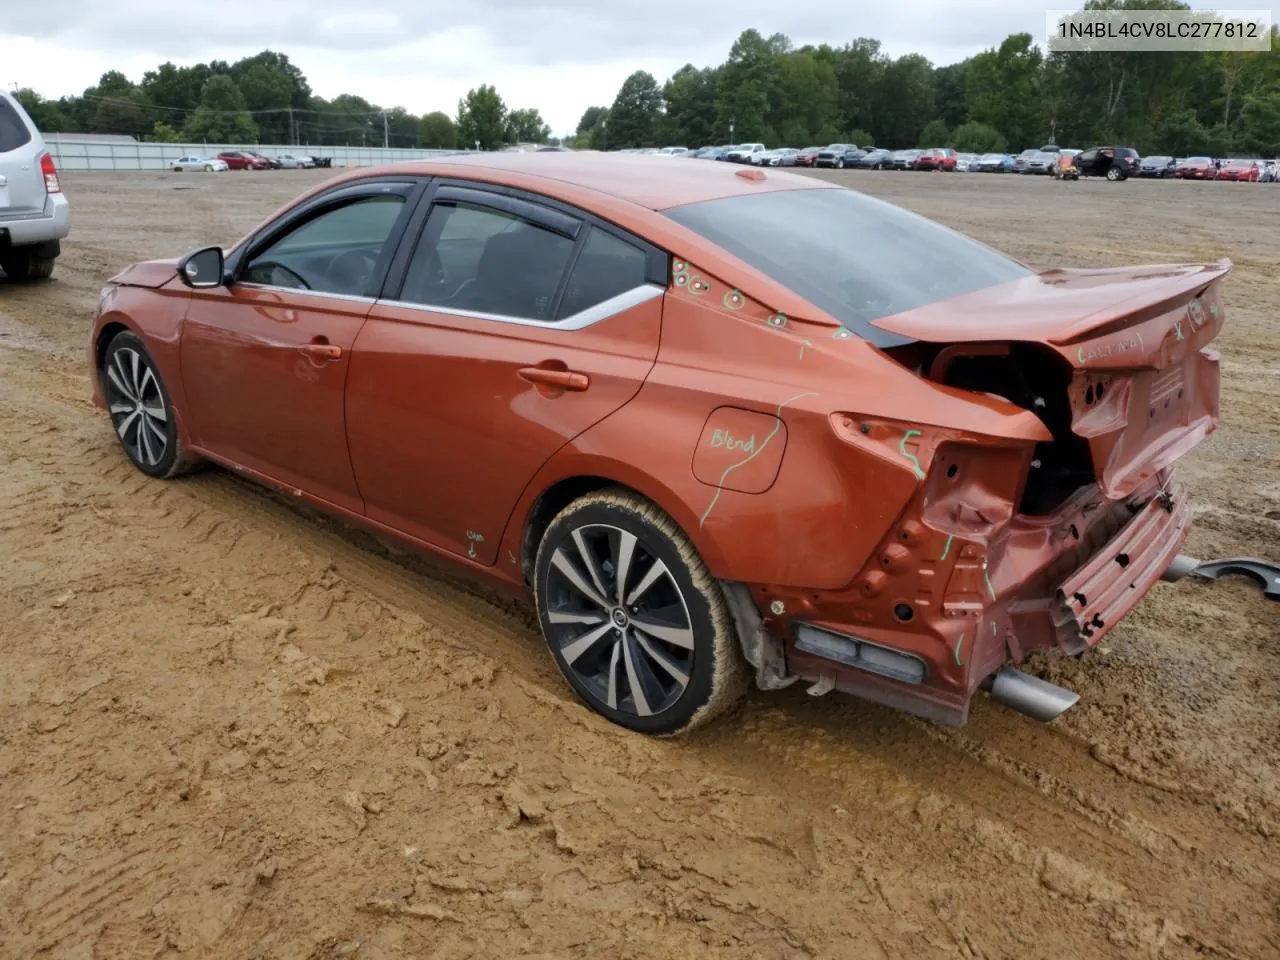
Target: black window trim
x,y
545,211
410,188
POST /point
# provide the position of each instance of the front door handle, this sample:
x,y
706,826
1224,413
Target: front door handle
x,y
323,351
564,379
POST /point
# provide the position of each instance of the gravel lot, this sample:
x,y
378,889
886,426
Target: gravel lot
x,y
231,728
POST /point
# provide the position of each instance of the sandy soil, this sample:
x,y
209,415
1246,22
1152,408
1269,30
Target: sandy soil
x,y
232,729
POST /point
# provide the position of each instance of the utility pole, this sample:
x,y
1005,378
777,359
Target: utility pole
x,y
386,138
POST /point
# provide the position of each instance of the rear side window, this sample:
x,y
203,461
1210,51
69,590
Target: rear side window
x,y
483,260
606,267
814,241
13,129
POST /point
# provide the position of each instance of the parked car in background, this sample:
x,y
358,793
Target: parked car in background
x,y
994,163
673,151
781,157
1042,162
1161,167
1269,172
193,162
243,160
271,163
294,161
1196,168
965,162
936,158
1114,163
832,155
34,215
1021,160
807,156
875,159
707,153
903,159
744,152
1247,171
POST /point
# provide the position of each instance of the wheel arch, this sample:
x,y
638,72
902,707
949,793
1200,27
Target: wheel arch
x,y
564,480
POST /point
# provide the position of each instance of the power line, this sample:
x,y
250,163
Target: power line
x,y
371,112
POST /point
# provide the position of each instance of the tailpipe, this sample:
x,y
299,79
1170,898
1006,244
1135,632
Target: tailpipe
x,y
1036,698
1179,568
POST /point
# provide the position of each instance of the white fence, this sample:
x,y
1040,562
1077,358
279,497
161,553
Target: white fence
x,y
73,154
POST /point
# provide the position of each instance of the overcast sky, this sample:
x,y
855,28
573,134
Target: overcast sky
x,y
559,56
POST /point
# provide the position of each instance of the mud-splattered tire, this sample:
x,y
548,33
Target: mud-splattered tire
x,y
141,411
663,660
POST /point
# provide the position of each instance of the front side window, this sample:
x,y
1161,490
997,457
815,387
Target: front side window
x,y
813,241
334,252
484,260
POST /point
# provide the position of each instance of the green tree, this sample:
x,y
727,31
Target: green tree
x,y
1003,87
935,134
905,101
978,138
482,117
527,126
635,114
749,92
161,132
221,116
437,131
45,114
690,98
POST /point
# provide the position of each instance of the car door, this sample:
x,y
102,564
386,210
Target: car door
x,y
516,325
265,357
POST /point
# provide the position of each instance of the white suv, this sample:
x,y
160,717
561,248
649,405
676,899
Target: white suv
x,y
34,215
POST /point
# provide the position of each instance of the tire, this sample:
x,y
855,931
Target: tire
x,y
840,164
21,266
1115,174
704,673
140,409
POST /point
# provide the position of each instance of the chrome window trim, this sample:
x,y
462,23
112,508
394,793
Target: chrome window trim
x,y
348,297
583,318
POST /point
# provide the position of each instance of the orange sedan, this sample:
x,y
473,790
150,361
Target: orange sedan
x,y
718,423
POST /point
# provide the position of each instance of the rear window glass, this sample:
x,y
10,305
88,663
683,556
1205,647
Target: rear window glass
x,y
13,129
858,258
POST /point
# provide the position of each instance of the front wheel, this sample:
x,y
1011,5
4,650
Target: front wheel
x,y
140,408
840,164
635,621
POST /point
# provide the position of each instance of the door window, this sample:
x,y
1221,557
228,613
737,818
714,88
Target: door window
x,y
335,252
606,267
484,260
13,131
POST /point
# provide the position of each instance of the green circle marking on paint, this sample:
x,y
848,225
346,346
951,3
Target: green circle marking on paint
x,y
777,320
698,286
733,300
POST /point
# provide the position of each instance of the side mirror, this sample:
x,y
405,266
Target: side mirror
x,y
202,268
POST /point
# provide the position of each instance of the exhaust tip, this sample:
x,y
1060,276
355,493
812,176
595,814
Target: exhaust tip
x,y
1030,696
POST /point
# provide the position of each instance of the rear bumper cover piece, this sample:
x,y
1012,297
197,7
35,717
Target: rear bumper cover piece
x,y
1109,585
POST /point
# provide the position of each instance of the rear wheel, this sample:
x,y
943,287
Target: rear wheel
x,y
24,266
635,621
1114,174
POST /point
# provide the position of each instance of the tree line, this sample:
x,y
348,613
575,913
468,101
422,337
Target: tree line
x,y
1009,97
267,99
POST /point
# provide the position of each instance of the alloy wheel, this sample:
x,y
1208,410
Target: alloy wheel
x,y
137,406
618,621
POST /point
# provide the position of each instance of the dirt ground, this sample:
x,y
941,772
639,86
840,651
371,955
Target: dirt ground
x,y
229,728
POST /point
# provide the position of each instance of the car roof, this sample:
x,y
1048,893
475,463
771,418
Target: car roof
x,y
646,181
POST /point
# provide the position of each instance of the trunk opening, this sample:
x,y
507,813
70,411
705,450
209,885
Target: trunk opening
x,y
1029,376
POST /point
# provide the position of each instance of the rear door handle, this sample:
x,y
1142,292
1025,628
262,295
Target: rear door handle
x,y
323,351
565,379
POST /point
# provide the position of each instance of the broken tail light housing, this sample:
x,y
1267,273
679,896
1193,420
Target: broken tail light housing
x,y
50,172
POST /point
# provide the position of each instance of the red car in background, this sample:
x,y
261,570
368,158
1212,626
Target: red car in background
x,y
1246,170
807,156
239,160
1196,168
939,158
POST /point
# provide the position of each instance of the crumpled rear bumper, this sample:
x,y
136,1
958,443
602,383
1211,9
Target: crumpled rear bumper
x,y
1099,594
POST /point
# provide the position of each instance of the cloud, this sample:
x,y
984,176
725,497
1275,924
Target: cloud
x,y
560,56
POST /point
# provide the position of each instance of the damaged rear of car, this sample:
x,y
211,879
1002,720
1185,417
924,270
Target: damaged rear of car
x,y
1035,422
